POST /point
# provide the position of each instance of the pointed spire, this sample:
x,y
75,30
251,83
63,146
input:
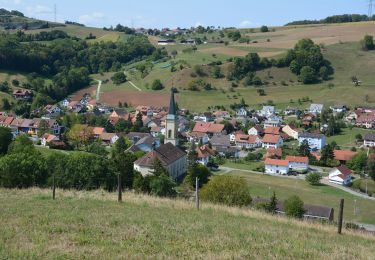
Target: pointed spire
x,y
172,104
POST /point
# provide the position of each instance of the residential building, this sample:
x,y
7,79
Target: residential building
x,y
338,109
366,121
340,175
273,121
272,130
242,112
298,163
274,166
48,138
220,141
315,141
208,128
343,155
145,144
109,138
316,108
272,141
267,111
98,131
173,159
273,153
369,140
204,153
256,130
248,141
198,137
291,131
22,94
221,114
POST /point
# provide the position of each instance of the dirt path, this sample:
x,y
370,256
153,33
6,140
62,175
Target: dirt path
x,y
133,85
98,90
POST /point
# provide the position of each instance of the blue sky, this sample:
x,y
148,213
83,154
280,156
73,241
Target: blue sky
x,y
171,13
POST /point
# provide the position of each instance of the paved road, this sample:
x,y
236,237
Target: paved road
x,y
302,177
98,90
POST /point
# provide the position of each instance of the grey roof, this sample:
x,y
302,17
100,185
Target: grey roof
x,y
310,135
370,137
172,104
220,140
168,153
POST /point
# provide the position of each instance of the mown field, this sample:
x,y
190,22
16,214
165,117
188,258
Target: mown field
x,y
265,185
93,225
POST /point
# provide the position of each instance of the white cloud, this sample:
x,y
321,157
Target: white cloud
x,y
91,18
247,24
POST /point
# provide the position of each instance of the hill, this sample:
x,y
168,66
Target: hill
x,y
94,225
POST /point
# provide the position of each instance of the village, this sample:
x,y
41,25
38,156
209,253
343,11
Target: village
x,y
288,142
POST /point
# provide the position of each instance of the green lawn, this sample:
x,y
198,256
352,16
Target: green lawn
x,y
347,137
264,185
93,225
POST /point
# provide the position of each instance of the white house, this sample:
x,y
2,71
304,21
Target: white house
x,y
273,166
109,138
369,140
298,163
267,111
204,153
273,121
272,141
256,130
340,175
338,109
315,141
316,108
241,112
47,138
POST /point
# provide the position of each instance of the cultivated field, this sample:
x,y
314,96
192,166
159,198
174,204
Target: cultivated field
x,y
93,225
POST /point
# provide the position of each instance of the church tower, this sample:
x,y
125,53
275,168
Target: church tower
x,y
171,122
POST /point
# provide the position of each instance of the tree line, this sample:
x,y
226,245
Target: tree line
x,y
344,18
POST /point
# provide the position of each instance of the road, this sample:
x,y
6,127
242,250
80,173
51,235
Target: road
x,y
302,177
98,90
131,83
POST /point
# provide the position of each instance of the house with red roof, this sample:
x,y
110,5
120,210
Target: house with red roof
x,y
366,120
247,141
298,163
274,153
343,155
272,141
275,166
340,175
48,138
208,128
204,153
256,130
272,130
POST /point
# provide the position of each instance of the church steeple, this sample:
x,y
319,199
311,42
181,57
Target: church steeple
x,y
171,122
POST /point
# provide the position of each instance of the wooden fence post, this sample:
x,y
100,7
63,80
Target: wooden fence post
x,y
341,214
197,193
119,188
53,187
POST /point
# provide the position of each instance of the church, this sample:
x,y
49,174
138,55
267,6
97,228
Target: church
x,y
173,159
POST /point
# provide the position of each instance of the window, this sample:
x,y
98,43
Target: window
x,y
169,133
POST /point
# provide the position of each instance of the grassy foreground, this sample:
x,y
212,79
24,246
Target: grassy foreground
x,y
93,225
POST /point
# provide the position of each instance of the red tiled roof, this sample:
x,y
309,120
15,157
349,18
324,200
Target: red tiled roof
x,y
98,130
344,170
274,152
242,138
271,139
204,151
208,127
272,130
299,159
344,155
276,162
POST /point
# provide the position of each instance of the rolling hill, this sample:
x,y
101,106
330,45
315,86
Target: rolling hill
x,y
94,225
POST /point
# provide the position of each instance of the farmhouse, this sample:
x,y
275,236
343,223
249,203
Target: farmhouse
x,y
172,158
341,175
315,141
272,141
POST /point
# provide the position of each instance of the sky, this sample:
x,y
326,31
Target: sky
x,y
172,14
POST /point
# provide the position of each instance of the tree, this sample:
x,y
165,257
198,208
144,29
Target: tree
x,y
162,186
327,155
228,190
199,171
80,134
5,139
308,75
271,206
371,168
216,72
6,105
313,178
264,29
158,168
22,143
121,145
304,148
294,207
119,78
157,85
358,162
367,43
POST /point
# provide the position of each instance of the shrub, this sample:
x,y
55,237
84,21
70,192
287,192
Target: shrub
x,y
118,78
264,28
157,85
293,207
313,178
228,190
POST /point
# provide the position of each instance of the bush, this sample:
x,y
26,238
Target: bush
x,y
228,190
294,207
157,85
313,178
367,43
308,75
118,78
264,28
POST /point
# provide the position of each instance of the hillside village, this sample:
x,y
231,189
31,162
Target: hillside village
x,y
275,125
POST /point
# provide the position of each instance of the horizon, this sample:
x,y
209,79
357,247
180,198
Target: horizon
x,y
152,15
